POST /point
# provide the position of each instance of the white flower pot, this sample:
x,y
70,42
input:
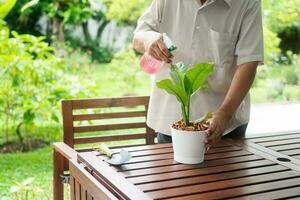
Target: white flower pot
x,y
188,146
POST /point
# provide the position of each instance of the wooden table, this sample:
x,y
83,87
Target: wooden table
x,y
256,168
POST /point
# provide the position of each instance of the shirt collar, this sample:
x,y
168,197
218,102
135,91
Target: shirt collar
x,y
228,2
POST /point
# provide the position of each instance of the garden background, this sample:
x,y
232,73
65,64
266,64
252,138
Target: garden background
x,y
52,50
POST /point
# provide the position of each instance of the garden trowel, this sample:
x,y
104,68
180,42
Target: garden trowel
x,y
116,158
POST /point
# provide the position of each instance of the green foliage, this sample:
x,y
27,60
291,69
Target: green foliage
x,y
72,12
33,81
184,83
26,22
125,12
277,83
96,52
281,14
271,44
5,7
283,19
17,167
125,74
291,93
25,190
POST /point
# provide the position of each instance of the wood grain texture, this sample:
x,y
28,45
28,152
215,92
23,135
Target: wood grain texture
x,y
268,153
224,184
85,140
109,102
129,114
287,193
111,177
285,145
67,115
58,170
233,169
81,129
80,178
245,190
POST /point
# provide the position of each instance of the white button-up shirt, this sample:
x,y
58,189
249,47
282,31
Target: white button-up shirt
x,y
224,32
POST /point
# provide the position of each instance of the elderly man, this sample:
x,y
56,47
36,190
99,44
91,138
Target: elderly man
x,y
227,33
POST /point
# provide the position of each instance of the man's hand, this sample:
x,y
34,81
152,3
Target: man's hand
x,y
240,85
153,43
217,126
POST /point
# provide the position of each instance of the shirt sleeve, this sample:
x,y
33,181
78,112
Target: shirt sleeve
x,y
151,18
250,45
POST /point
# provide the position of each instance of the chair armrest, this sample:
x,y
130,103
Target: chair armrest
x,y
65,150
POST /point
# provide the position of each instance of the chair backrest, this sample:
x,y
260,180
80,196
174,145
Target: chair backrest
x,y
80,118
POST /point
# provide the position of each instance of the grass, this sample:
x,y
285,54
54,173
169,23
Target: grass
x,y
17,167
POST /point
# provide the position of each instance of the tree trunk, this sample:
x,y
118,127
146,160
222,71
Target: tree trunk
x,y
6,126
48,30
87,35
100,30
18,132
57,25
57,29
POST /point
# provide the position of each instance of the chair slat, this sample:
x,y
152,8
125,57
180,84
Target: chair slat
x,y
85,140
109,102
82,129
109,115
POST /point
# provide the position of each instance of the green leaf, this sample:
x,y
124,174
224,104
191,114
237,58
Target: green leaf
x,y
197,75
54,118
29,5
176,90
6,7
204,87
28,116
175,76
205,117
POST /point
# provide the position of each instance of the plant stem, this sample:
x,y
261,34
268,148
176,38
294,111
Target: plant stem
x,y
188,110
185,117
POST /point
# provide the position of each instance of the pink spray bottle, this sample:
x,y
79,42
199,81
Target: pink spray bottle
x,y
151,65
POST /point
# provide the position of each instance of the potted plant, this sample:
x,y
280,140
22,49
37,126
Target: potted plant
x,y
188,136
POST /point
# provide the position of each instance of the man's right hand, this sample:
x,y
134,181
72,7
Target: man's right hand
x,y
153,44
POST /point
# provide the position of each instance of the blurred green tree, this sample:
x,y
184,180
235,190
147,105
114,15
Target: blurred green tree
x,y
33,81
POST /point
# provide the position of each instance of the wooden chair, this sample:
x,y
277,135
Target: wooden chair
x,y
86,187
77,125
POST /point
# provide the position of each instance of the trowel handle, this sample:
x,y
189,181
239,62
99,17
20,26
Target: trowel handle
x,y
104,149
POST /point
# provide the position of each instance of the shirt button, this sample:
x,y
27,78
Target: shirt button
x,y
197,27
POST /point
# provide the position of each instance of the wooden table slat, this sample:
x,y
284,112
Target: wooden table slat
x,y
285,147
275,138
218,185
169,149
173,183
199,171
280,142
169,156
159,146
168,162
294,152
179,167
273,134
290,193
246,190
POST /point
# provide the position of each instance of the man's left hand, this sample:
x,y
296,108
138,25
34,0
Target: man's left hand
x,y
217,126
